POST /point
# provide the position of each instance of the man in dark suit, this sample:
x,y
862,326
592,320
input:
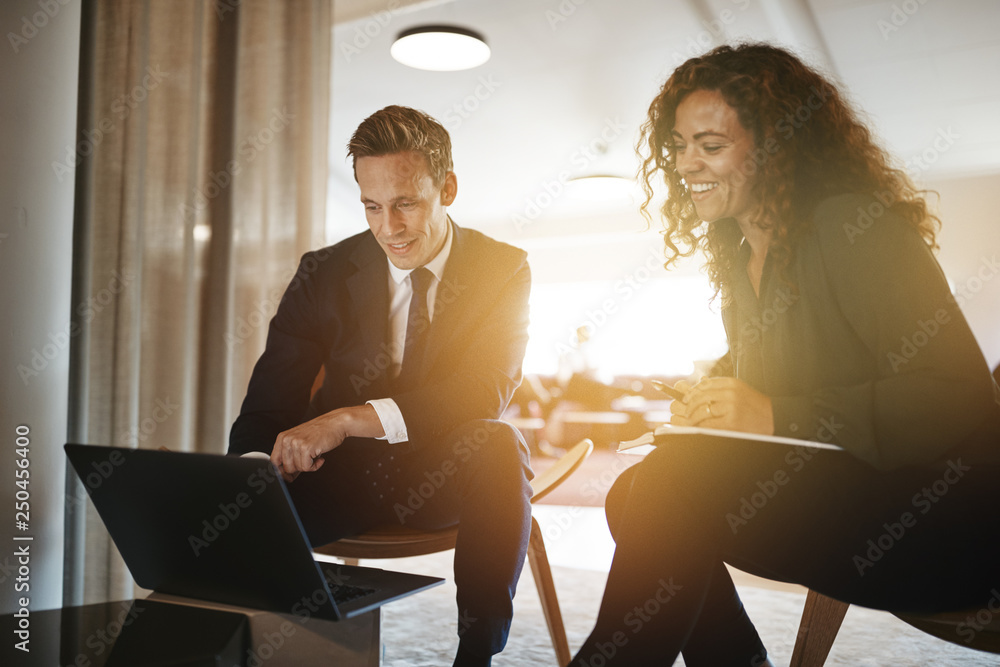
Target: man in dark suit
x,y
421,327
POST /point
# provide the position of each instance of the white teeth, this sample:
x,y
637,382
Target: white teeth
x,y
703,187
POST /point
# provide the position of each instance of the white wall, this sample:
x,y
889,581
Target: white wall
x,y
970,252
39,60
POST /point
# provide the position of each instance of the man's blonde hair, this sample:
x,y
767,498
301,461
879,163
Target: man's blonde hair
x,y
397,129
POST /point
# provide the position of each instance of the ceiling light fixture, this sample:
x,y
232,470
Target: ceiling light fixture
x,y
440,48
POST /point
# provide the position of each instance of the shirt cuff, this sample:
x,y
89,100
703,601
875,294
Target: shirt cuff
x,y
392,420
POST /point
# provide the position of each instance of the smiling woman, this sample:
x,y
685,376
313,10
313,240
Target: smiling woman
x,y
815,313
712,149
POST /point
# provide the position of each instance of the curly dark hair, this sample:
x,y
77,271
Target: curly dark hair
x,y
809,145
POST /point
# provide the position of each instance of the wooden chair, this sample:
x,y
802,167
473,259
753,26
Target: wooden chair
x,y
822,617
401,542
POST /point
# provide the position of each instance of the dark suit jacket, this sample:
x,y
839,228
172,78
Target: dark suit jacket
x,y
335,313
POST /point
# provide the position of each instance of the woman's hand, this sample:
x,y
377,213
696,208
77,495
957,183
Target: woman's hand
x,y
723,403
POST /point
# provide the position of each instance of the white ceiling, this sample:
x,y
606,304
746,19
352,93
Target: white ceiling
x,y
918,70
564,71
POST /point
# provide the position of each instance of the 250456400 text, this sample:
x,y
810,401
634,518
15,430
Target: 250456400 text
x,y
22,551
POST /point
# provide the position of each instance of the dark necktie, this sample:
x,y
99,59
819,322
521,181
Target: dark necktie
x,y
417,327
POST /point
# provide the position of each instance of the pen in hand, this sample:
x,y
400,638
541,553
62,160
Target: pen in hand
x,y
676,394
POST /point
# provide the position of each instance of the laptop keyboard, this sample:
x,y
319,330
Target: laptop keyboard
x,y
344,592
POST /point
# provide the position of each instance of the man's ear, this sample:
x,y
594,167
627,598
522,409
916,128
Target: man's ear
x,y
450,189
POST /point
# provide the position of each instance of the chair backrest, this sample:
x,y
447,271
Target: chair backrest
x,y
561,469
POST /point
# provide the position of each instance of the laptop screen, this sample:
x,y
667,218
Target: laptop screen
x,y
205,526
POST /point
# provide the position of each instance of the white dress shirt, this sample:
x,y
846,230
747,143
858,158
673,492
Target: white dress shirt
x,y
400,294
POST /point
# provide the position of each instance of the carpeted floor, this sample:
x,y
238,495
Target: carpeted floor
x,y
420,631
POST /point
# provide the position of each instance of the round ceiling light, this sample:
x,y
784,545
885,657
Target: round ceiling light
x,y
440,48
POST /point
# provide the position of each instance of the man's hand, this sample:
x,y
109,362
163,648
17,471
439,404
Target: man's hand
x,y
301,449
724,403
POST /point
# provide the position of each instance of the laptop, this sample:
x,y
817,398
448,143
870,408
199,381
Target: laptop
x,y
223,529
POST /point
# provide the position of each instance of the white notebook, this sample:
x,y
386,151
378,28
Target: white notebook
x,y
644,443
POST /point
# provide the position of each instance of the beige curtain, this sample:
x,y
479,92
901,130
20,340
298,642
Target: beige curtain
x,y
203,139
